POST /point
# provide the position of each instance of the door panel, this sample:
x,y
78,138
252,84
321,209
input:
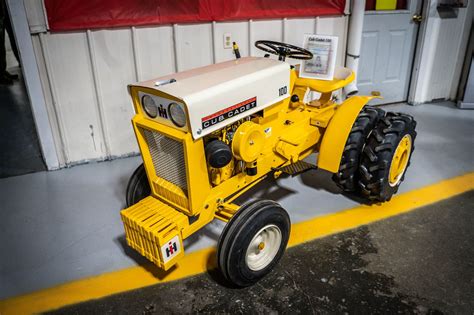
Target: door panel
x,y
388,42
395,59
369,46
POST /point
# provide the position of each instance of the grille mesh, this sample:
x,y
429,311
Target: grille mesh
x,y
168,158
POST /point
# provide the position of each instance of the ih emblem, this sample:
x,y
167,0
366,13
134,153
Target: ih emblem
x,y
162,112
170,249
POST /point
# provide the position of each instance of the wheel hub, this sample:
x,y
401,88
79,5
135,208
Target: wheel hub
x,y
263,247
400,160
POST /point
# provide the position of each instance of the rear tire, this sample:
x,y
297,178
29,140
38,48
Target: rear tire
x,y
138,186
253,242
348,175
385,161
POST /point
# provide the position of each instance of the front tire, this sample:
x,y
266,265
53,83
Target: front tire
x,y
253,242
386,156
138,186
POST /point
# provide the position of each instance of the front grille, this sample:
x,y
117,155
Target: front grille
x,y
168,158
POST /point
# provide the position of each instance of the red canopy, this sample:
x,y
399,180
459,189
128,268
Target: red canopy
x,y
74,14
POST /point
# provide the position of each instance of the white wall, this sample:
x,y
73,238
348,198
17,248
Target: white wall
x,y
84,74
442,53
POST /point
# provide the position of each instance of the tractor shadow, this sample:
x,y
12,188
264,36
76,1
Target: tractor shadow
x,y
210,232
269,188
322,180
143,262
286,185
121,189
215,273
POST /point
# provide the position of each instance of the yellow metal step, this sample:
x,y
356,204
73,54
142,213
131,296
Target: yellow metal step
x,y
153,229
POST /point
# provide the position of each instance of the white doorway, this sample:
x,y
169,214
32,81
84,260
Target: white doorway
x,y
388,46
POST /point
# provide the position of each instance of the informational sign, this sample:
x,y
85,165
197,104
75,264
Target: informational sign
x,y
324,50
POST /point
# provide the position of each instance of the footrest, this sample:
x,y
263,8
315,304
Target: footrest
x,y
153,229
297,168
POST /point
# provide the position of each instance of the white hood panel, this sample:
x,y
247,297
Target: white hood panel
x,y
220,94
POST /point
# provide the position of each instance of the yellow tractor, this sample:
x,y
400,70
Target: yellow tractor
x,y
209,134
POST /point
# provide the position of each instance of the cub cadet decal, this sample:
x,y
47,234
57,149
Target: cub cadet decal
x,y
170,249
229,112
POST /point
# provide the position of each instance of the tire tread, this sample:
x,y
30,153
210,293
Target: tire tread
x,y
347,176
378,154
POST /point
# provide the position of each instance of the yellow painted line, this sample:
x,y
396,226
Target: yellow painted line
x,y
200,261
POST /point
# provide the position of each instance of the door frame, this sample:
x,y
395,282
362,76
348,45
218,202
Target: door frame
x,y
31,76
417,60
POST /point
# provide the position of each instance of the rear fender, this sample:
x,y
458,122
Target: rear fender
x,y
337,132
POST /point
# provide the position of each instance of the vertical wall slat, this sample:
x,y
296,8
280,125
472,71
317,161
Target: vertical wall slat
x,y
316,25
213,41
98,95
154,51
194,45
175,47
114,67
73,95
136,56
250,37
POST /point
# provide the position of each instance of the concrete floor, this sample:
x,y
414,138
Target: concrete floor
x,y
20,153
65,225
418,263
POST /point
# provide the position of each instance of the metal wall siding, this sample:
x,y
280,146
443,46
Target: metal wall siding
x,y
193,45
85,74
115,69
68,64
268,29
155,52
295,29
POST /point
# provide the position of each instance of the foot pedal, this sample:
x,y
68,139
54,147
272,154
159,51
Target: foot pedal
x,y
297,168
154,230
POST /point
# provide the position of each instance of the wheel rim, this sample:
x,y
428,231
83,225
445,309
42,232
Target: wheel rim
x,y
400,160
263,247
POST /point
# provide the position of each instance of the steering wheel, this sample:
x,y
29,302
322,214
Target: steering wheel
x,y
283,50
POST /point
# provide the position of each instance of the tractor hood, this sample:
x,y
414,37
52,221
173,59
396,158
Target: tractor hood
x,y
222,93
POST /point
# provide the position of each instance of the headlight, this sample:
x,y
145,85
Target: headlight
x,y
177,114
149,106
